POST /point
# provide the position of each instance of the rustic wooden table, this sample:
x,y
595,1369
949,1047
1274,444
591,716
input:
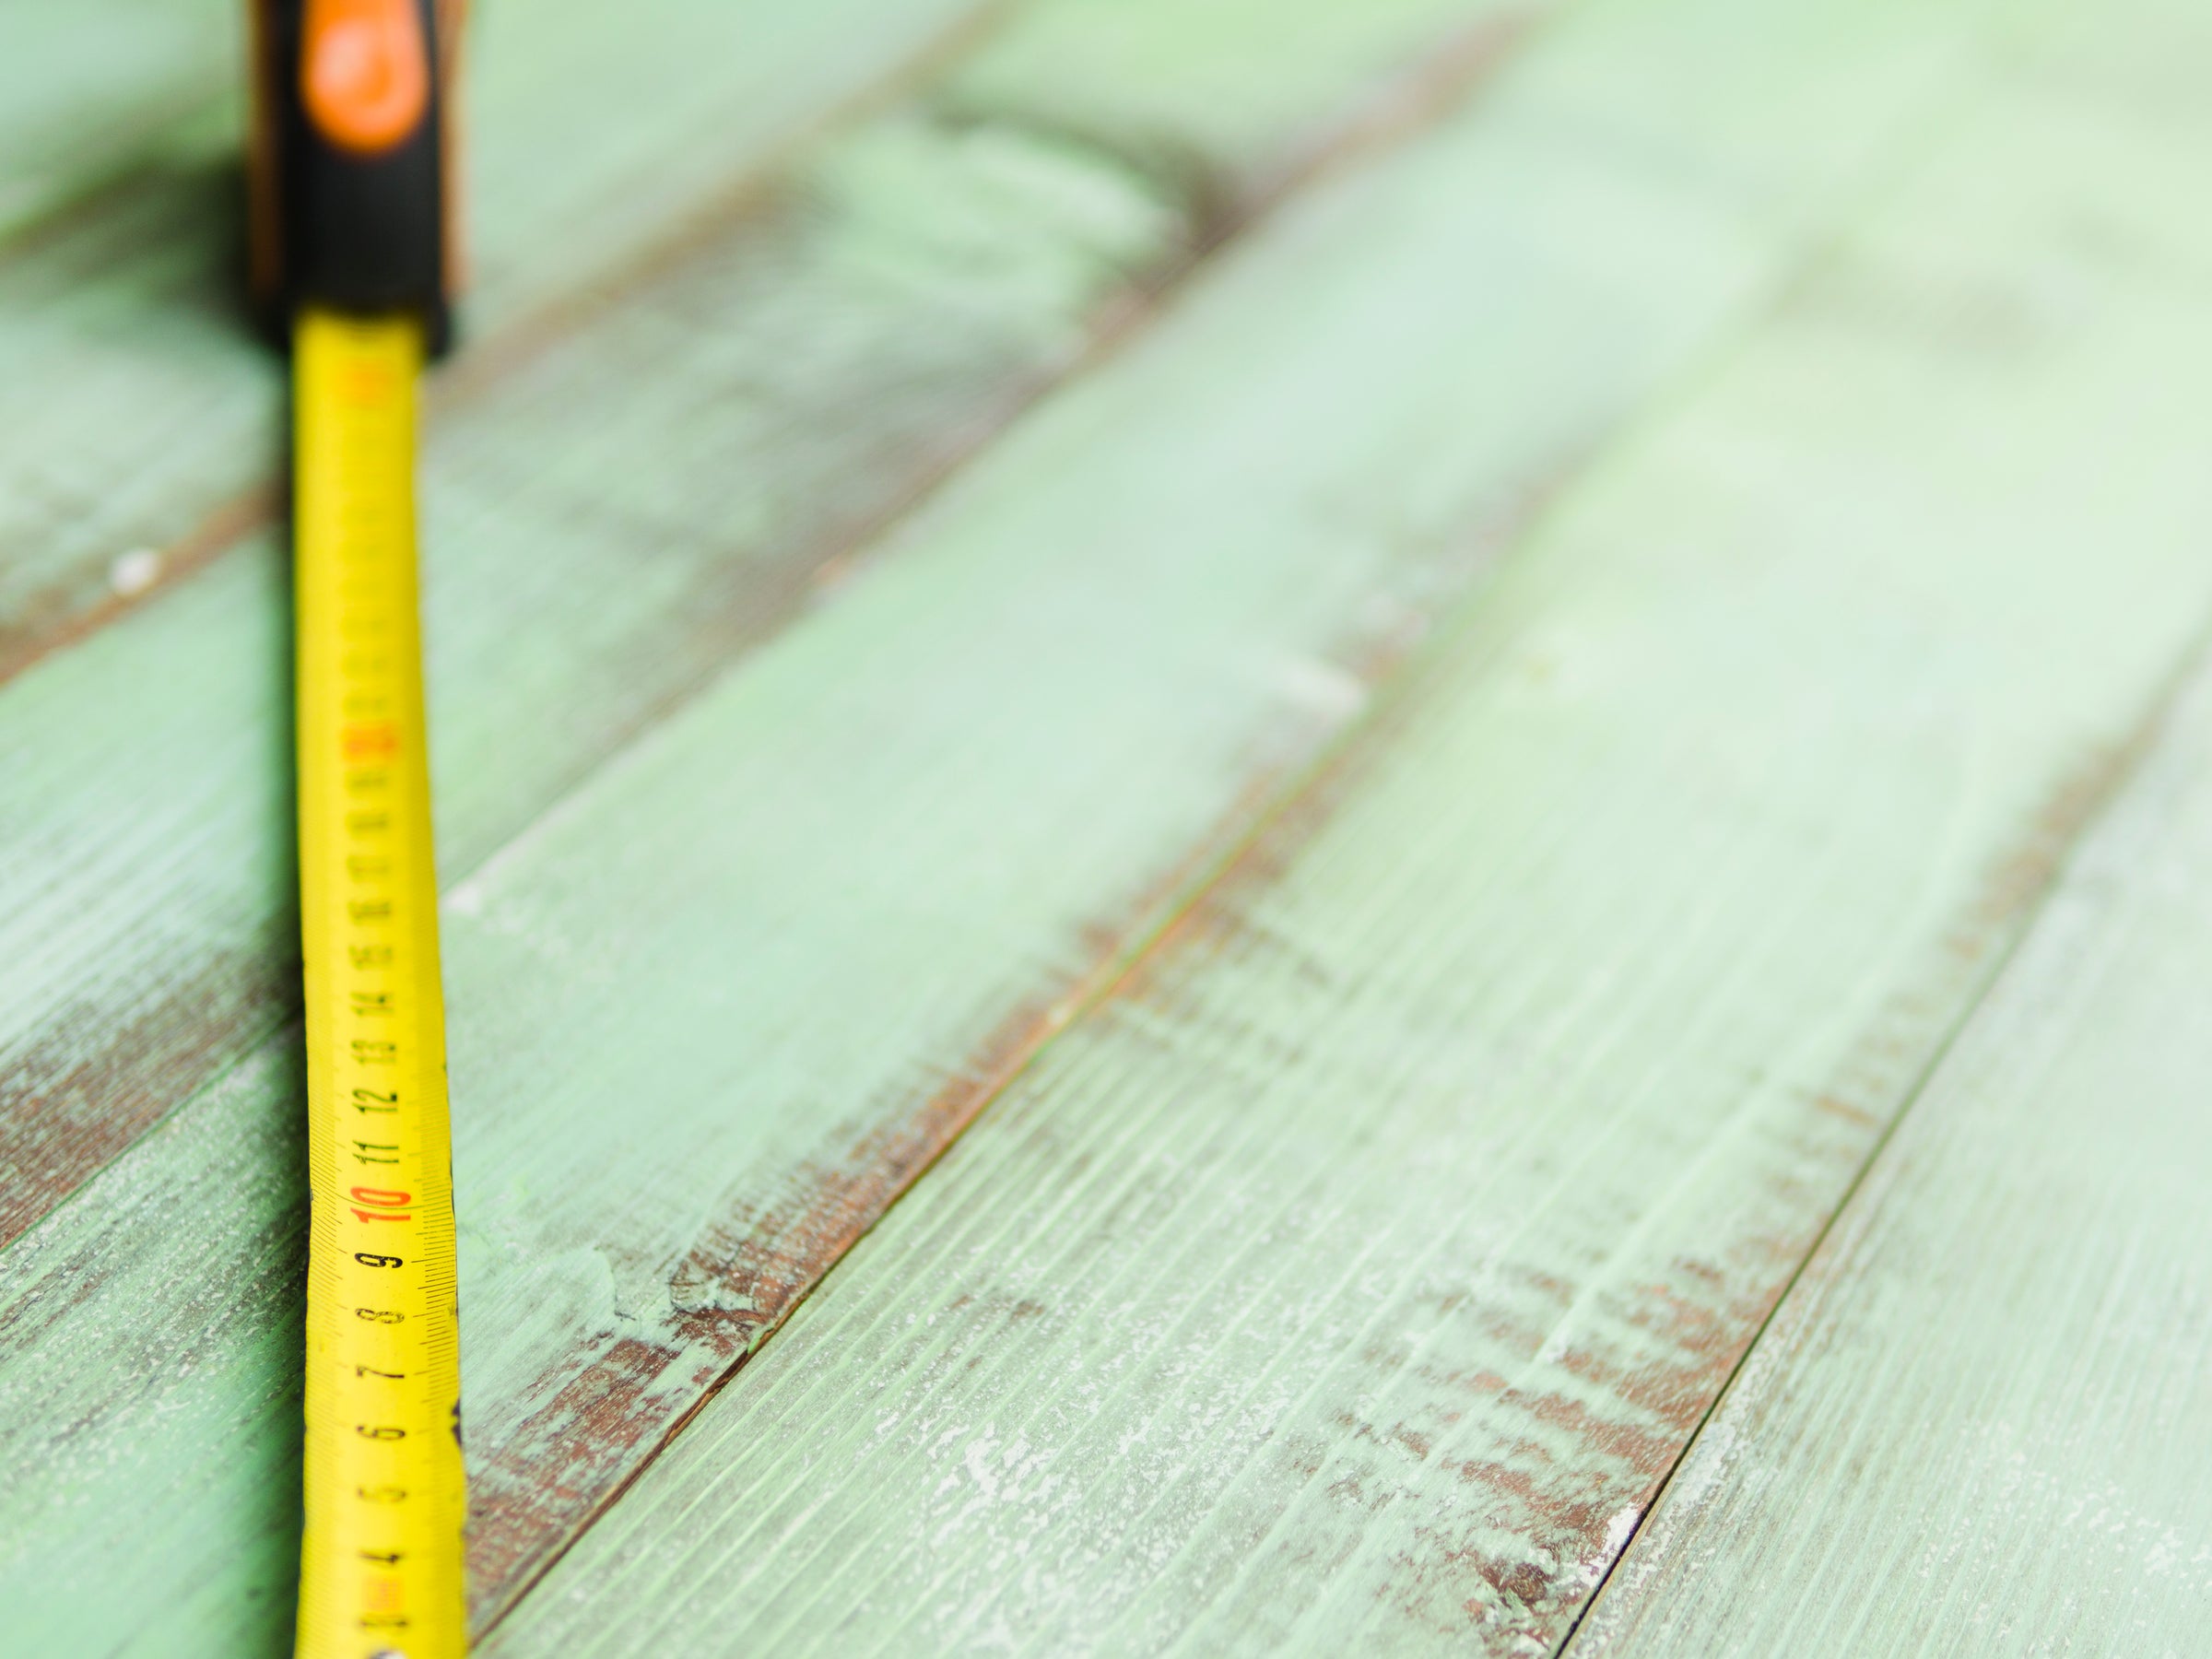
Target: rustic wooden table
x,y
1450,757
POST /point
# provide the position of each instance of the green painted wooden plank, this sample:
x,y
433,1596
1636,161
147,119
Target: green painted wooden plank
x,y
140,407
1977,1423
103,89
716,1008
608,522
1347,1279
187,695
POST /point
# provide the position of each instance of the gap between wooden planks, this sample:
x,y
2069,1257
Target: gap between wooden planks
x,y
1192,673
138,401
90,97
594,572
210,626
1970,1425
1353,1275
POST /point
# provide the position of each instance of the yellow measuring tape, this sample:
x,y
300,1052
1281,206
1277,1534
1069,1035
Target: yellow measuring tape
x,y
380,1562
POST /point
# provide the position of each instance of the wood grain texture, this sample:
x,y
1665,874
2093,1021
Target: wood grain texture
x,y
141,412
609,520
205,661
1977,1424
95,90
1350,1277
710,1013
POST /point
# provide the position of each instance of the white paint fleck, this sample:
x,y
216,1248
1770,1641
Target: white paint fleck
x,y
1619,1528
1321,688
1618,1531
132,574
980,1471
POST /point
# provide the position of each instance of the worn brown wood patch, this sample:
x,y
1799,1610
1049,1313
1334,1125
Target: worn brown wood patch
x,y
1350,1277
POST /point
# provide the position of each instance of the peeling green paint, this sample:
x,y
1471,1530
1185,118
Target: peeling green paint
x,y
1351,1278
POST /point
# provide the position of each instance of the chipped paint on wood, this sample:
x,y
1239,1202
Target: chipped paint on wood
x,y
1352,1277
137,402
1912,1455
1045,723
1969,1424
1975,1423
997,633
149,1381
197,659
591,568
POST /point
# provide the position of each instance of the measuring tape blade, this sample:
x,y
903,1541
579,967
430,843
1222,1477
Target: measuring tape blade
x,y
381,1559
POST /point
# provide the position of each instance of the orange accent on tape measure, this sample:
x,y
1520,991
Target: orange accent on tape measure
x,y
369,742
365,73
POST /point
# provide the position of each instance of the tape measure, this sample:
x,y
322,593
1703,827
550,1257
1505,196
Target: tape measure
x,y
350,249
381,1559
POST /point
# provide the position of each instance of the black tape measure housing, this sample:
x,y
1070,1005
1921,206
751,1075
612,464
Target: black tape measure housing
x,y
354,231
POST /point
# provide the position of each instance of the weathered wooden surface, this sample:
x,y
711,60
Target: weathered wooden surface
x,y
1348,1278
143,778
89,92
1407,1208
813,365
1412,486
204,665
138,416
1978,1423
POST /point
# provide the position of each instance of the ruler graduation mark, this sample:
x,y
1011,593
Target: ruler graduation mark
x,y
351,251
381,1559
